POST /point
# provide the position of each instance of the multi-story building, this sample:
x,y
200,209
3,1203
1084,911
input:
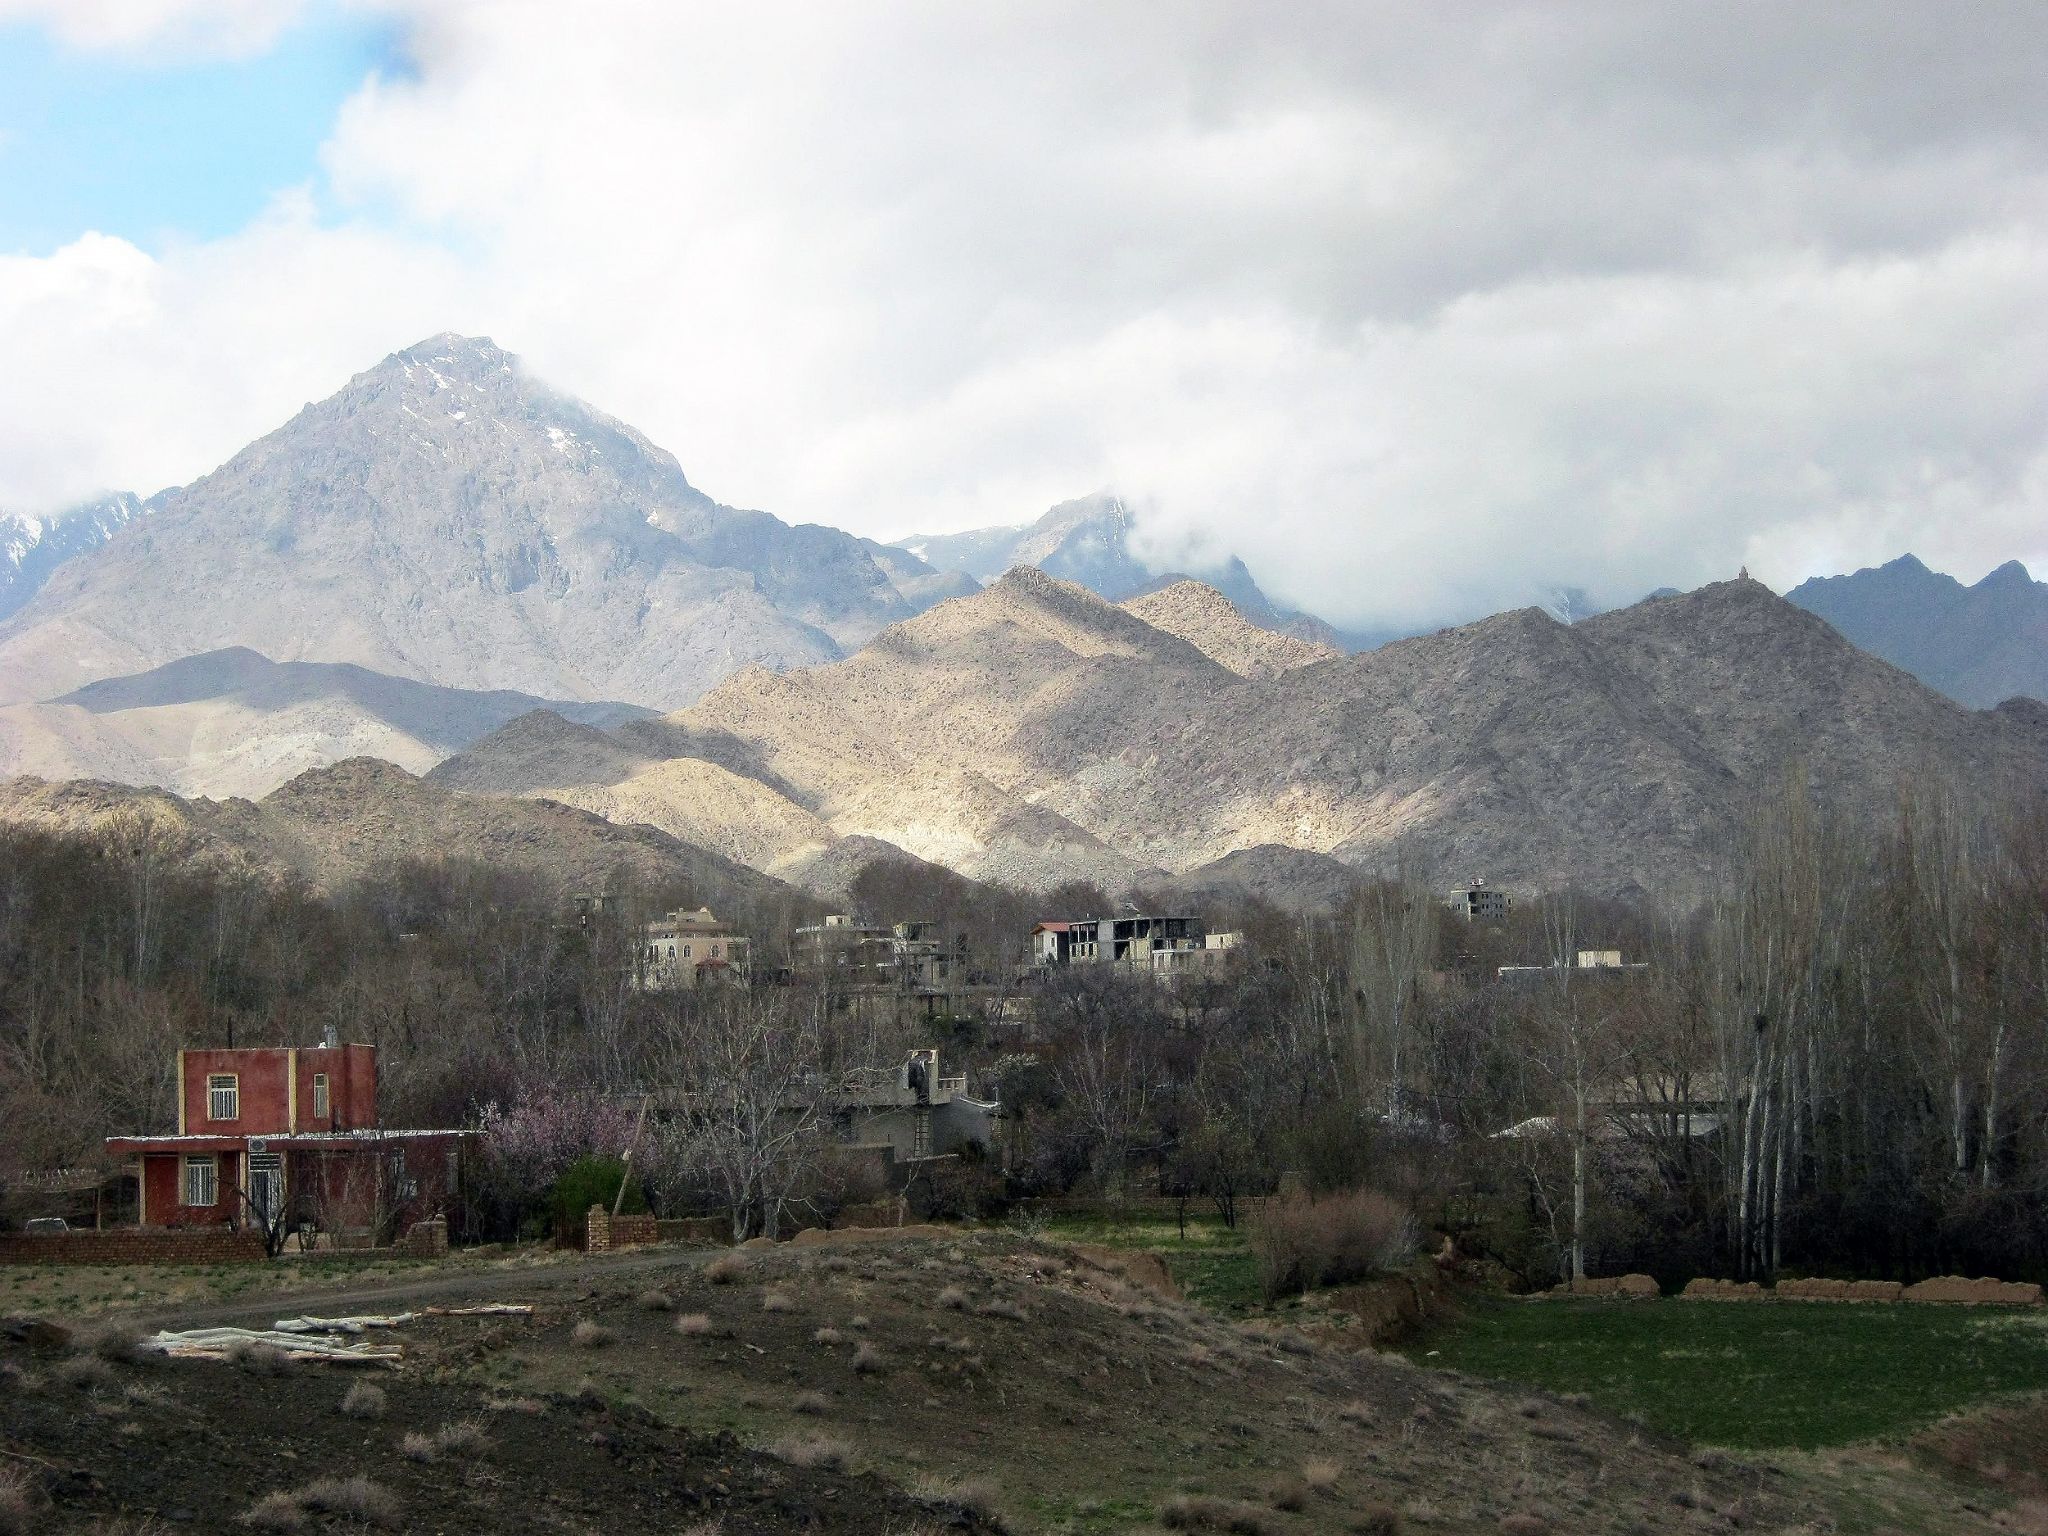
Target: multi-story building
x,y
288,1134
1478,902
688,949
1120,940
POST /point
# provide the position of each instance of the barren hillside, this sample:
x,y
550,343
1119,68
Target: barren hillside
x,y
1617,752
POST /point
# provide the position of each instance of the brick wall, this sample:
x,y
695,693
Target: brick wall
x,y
603,1231
212,1245
426,1239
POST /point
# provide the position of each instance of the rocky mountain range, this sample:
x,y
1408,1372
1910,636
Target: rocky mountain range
x,y
1034,732
235,723
1978,644
448,518
1087,542
328,825
32,548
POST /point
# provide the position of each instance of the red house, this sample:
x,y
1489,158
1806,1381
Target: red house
x,y
288,1136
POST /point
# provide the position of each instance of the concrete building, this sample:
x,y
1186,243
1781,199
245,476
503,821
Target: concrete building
x,y
1478,902
910,956
688,949
1134,941
916,1112
283,1133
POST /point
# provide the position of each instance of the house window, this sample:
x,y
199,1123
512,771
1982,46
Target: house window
x,y
201,1186
320,1095
223,1098
686,951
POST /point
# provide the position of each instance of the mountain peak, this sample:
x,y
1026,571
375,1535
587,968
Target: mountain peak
x,y
2010,576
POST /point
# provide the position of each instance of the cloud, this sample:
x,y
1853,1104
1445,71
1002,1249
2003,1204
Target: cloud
x,y
1417,312
186,28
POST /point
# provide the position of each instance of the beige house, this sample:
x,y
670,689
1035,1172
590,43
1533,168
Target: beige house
x,y
689,949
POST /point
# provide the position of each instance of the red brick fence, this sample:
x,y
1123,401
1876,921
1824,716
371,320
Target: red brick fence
x,y
133,1245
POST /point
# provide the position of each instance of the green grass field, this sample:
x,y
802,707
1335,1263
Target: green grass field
x,y
1211,1265
1753,1376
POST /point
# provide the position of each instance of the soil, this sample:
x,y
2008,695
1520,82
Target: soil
x,y
1083,1398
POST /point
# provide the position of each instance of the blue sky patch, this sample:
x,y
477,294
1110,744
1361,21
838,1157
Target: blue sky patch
x,y
159,152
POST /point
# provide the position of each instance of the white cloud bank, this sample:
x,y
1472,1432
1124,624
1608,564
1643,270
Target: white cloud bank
x,y
1418,309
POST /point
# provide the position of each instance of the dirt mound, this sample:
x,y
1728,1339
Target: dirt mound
x,y
1837,1290
1954,1288
1704,1289
1609,1287
201,1443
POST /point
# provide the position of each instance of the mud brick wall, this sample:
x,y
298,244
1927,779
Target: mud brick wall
x,y
426,1239
603,1231
209,1245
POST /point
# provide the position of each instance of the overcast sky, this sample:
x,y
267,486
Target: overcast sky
x,y
1418,308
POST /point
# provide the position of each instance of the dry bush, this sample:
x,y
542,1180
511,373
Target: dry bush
x,y
526,1405
353,1498
838,1263
1292,1341
140,1395
653,1301
258,1358
1000,1307
1291,1496
1299,1244
725,1269
777,1301
418,1447
17,1502
462,1437
963,1503
1377,1520
828,1337
119,1343
363,1401
589,1335
1357,1412
1524,1525
275,1512
953,1299
867,1359
815,1453
86,1372
1200,1512
857,1321
1321,1474
693,1324
811,1403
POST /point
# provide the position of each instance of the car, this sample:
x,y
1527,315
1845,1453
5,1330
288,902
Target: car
x,y
40,1226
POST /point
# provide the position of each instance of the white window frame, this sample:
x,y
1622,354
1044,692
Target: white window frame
x,y
321,1100
223,1088
207,1170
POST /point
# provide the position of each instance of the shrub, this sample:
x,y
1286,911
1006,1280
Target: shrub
x,y
17,1503
1002,1307
463,1437
867,1359
813,1403
1290,1496
258,1358
1321,1474
275,1512
858,1321
725,1269
963,1502
119,1343
86,1372
953,1299
828,1337
1199,1512
353,1498
1302,1243
592,1181
815,1453
653,1301
1377,1520
1524,1525
418,1447
363,1401
589,1335
693,1324
777,1301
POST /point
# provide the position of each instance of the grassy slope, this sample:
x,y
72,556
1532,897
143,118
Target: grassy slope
x,y
1754,1376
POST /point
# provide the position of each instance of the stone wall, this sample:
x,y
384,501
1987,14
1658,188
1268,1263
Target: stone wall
x,y
133,1245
